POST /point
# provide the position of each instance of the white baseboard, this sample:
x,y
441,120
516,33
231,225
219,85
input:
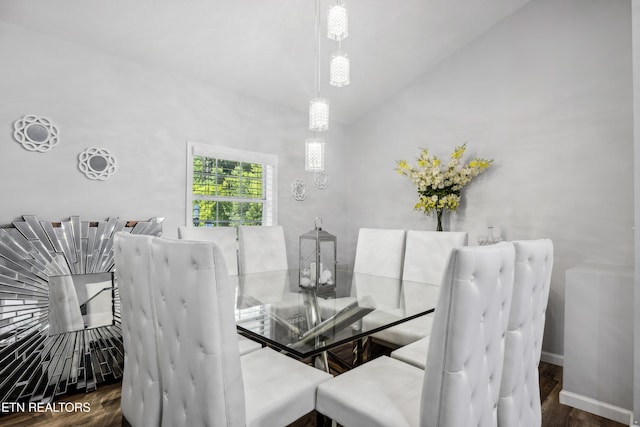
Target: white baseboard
x,y
553,358
596,407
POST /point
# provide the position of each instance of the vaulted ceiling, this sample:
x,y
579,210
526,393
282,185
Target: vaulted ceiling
x,y
264,48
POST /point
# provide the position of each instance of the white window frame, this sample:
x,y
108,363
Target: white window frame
x,y
270,214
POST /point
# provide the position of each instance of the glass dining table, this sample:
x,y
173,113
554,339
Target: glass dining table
x,y
273,309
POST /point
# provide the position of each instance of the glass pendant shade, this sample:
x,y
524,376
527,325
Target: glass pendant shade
x,y
319,114
339,69
337,23
314,155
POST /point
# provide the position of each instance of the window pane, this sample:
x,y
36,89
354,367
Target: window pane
x,y
229,186
229,211
253,213
227,178
252,170
226,167
204,213
251,186
244,189
208,213
204,176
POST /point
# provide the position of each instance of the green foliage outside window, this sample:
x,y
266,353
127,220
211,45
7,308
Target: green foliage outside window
x,y
226,192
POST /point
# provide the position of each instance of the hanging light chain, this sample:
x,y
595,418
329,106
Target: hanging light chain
x,y
317,50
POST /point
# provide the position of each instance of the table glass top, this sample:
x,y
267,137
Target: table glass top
x,y
271,307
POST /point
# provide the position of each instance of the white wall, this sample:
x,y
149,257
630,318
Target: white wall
x,y
144,116
547,94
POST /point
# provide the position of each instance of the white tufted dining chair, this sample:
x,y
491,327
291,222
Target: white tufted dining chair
x,y
526,273
414,354
205,382
378,256
425,261
379,252
427,253
262,248
227,241
225,237
141,400
460,385
519,404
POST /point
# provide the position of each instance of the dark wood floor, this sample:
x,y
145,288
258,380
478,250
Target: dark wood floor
x,y
105,409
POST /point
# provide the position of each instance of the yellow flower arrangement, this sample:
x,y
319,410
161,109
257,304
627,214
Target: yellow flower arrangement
x,y
439,185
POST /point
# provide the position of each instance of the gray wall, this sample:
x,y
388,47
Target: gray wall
x,y
144,116
547,94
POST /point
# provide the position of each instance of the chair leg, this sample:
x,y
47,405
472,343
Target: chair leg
x,y
321,361
359,349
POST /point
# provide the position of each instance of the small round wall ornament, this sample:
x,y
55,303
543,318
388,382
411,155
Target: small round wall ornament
x,y
35,133
97,163
299,190
321,179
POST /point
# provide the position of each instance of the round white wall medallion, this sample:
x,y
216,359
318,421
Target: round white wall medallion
x,y
97,163
321,179
35,133
299,190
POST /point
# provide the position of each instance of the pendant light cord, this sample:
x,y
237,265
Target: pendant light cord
x,y
317,53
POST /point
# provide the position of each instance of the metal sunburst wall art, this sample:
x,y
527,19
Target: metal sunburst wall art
x,y
60,306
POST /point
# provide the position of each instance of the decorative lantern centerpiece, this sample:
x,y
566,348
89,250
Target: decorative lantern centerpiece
x,y
318,259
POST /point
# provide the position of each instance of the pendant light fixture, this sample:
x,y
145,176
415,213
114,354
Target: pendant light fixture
x,y
318,111
339,76
314,155
319,114
318,107
337,22
339,69
338,30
